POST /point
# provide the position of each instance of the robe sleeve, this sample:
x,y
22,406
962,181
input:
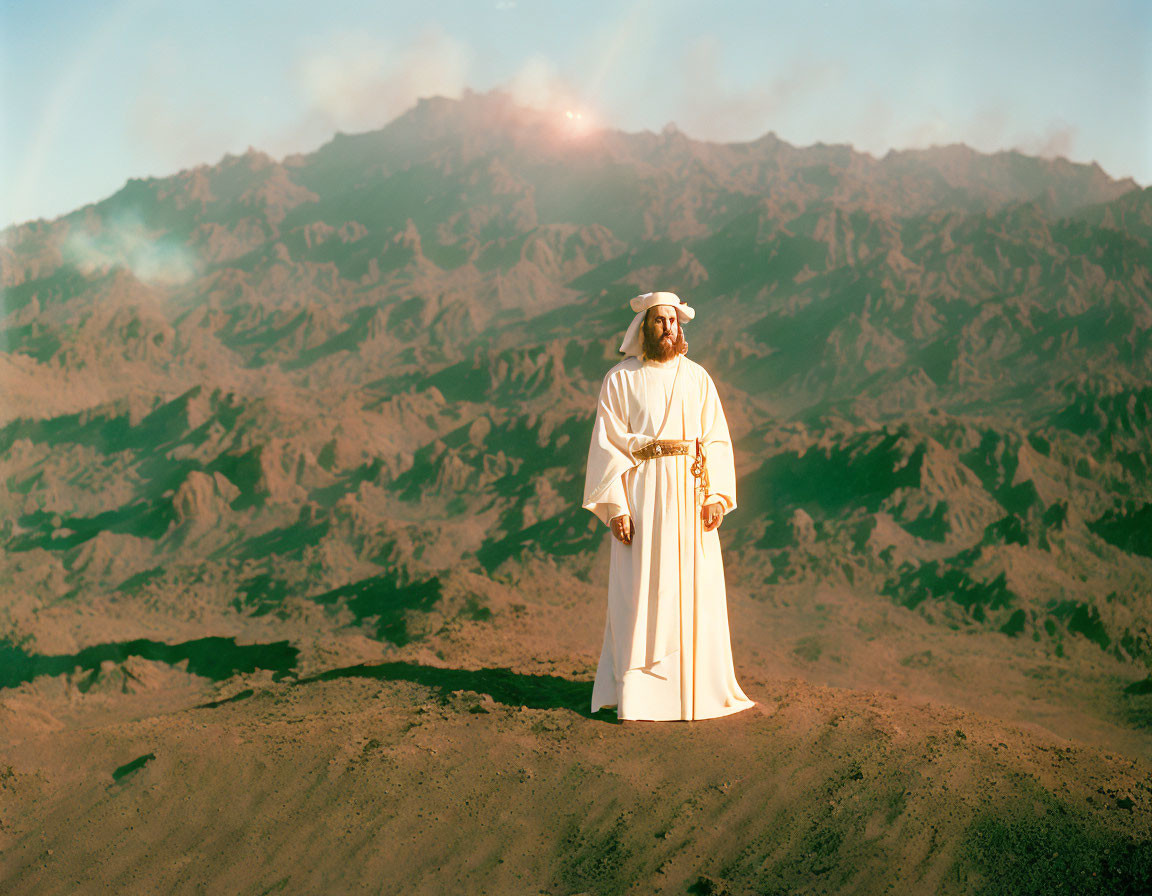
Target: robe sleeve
x,y
609,456
717,448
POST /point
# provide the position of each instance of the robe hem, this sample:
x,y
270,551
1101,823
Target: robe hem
x,y
725,711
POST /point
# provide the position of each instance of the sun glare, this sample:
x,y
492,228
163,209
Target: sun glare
x,y
577,123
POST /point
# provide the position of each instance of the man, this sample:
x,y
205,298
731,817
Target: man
x,y
660,475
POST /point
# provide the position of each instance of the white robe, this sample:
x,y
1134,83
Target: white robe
x,y
667,652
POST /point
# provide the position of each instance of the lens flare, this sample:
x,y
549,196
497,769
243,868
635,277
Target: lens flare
x,y
577,122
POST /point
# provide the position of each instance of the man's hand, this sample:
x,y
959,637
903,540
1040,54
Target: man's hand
x,y
622,528
712,514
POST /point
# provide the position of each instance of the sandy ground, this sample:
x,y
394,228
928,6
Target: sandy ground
x,y
469,763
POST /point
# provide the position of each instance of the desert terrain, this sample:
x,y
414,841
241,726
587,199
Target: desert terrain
x,y
296,595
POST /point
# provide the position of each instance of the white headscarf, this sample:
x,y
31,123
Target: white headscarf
x,y
633,343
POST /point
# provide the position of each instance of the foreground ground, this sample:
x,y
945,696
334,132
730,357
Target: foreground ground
x,y
428,770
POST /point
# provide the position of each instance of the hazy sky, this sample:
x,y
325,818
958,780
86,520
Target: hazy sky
x,y
93,93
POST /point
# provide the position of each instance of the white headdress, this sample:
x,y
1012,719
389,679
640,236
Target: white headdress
x,y
633,343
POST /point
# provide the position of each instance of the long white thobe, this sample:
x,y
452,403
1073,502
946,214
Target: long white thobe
x,y
667,651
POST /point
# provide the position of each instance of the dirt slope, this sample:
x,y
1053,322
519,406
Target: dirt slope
x,y
405,777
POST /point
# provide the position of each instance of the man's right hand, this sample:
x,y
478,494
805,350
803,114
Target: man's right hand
x,y
622,528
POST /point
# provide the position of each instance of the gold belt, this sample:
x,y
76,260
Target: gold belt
x,y
664,448
673,447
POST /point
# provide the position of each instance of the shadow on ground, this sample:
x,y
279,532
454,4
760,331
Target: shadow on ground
x,y
214,657
502,685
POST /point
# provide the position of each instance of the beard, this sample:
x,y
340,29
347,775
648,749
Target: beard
x,y
663,349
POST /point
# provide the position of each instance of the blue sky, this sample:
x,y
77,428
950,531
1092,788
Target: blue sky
x,y
95,93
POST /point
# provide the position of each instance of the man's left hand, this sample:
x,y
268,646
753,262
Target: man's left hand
x,y
712,514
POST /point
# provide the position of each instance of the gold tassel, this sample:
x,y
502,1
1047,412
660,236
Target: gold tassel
x,y
700,471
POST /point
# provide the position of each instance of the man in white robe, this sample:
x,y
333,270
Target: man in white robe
x,y
660,475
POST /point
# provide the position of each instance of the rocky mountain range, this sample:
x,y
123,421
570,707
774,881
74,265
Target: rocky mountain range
x,y
264,417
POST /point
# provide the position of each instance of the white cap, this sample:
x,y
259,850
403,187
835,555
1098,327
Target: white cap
x,y
633,344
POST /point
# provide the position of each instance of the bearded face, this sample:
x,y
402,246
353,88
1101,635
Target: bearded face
x,y
663,335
